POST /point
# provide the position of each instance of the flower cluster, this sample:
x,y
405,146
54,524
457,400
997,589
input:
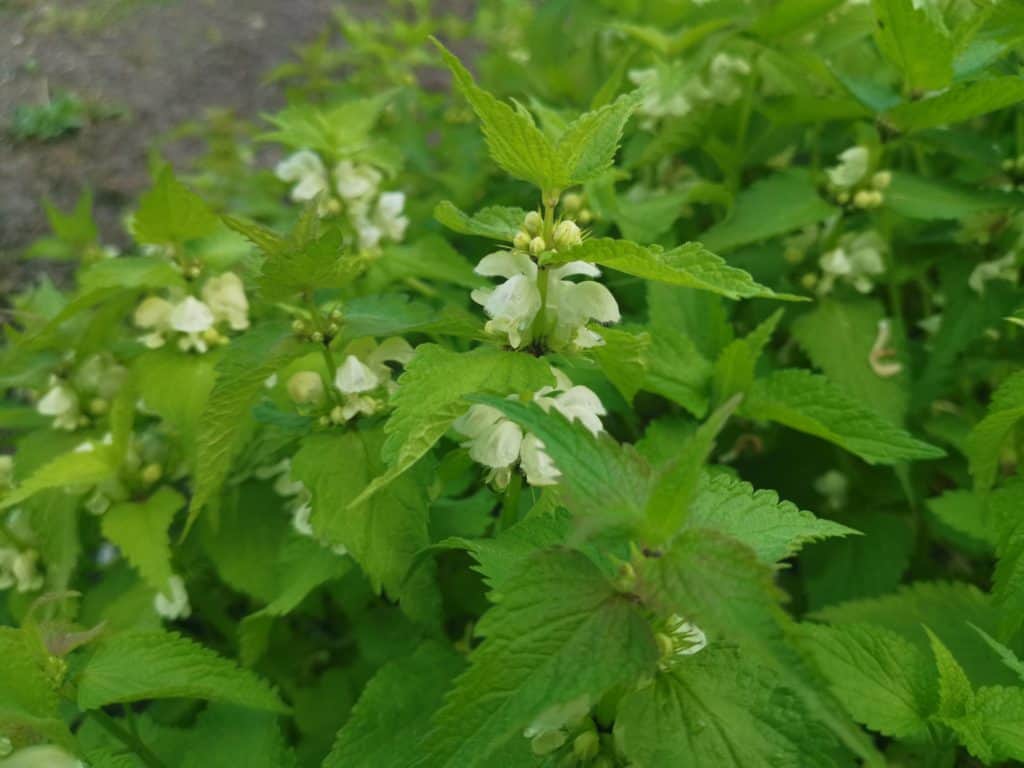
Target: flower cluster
x,y
71,401
194,321
375,217
565,307
851,182
499,444
671,93
856,260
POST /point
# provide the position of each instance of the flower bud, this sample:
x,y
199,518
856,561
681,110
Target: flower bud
x,y
586,746
881,180
809,280
547,742
194,271
863,198
537,246
572,202
98,406
584,217
843,197
324,421
151,473
305,387
533,223
877,198
332,207
336,315
316,337
665,645
567,235
337,415
522,240
298,327
211,336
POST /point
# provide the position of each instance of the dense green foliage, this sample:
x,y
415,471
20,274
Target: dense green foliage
x,y
651,397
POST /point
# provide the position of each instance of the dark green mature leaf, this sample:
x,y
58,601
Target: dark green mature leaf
x,y
623,359
497,222
157,665
809,403
226,420
959,103
690,265
716,709
171,213
915,42
884,680
985,442
770,207
393,714
430,398
545,652
919,198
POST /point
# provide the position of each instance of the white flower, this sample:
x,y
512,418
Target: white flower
x,y
190,315
225,297
355,376
1004,268
41,756
388,218
725,76
514,304
173,603
305,387
356,182
20,569
571,305
153,314
499,443
306,170
61,403
853,164
881,350
834,486
365,370
856,260
659,99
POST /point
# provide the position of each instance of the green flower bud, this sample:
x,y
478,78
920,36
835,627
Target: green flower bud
x,y
809,280
98,406
863,198
572,202
843,197
298,327
336,315
324,421
316,337
567,235
193,271
151,473
533,223
547,742
337,415
585,216
537,246
305,387
521,240
586,746
333,206
881,180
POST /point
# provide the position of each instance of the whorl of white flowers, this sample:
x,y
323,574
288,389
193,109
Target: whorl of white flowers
x,y
194,321
856,260
375,217
851,182
670,92
87,392
364,378
514,306
500,444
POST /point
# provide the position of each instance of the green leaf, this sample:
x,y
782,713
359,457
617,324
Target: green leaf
x,y
247,363
429,398
772,528
690,265
770,207
226,736
956,694
809,403
587,146
838,337
140,531
545,653
497,222
430,258
77,228
713,709
623,359
928,199
393,713
171,213
29,683
1008,657
959,104
156,665
915,42
383,532
78,468
991,730
176,387
733,371
339,131
985,442
885,681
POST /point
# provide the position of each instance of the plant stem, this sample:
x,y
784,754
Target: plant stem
x,y
538,329
510,503
111,726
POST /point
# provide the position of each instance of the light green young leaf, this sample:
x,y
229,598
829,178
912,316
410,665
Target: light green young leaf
x,y
429,398
810,403
157,665
985,442
958,104
587,146
497,222
171,213
991,730
716,709
690,265
393,713
336,132
956,694
78,468
29,683
734,369
140,531
1008,657
545,653
915,42
226,420
885,681
772,528
769,207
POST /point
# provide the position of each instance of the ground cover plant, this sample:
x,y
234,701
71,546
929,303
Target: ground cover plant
x,y
643,390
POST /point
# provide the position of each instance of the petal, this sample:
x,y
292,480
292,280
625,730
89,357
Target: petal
x,y
390,204
539,468
497,446
58,401
581,404
191,316
225,296
477,420
581,301
506,264
300,165
152,312
576,268
355,376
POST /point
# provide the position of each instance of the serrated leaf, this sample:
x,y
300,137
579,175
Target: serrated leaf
x,y
140,531
497,222
587,146
772,528
78,468
226,736
985,442
623,359
171,213
690,265
226,419
393,713
810,403
770,207
913,39
429,398
991,731
733,371
337,132
956,694
958,104
544,650
29,683
919,198
156,665
885,681
715,710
